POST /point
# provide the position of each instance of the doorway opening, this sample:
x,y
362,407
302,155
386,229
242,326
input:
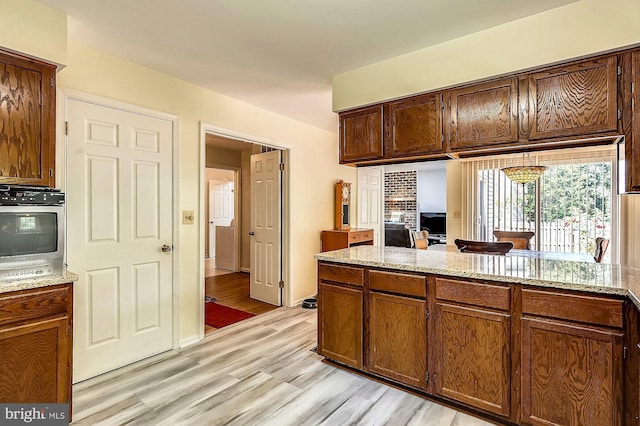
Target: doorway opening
x,y
230,234
220,216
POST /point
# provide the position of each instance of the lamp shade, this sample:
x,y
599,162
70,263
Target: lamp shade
x,y
523,174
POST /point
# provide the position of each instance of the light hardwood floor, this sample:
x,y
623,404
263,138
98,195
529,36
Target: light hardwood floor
x,y
257,372
210,269
232,290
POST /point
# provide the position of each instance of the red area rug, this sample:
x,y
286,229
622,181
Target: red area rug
x,y
219,316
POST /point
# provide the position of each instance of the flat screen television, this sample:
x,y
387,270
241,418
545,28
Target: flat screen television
x,y
434,222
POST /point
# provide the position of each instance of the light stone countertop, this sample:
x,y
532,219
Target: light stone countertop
x,y
46,281
542,272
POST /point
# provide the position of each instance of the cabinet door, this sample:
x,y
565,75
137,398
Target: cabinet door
x,y
27,121
361,134
340,324
571,374
631,152
473,365
574,100
35,365
398,338
484,115
414,127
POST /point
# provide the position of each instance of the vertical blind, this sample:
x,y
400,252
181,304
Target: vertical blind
x,y
568,207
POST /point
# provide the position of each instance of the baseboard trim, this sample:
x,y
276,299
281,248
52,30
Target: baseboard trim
x,y
247,270
189,341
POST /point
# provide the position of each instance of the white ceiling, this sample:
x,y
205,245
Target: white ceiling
x,y
279,55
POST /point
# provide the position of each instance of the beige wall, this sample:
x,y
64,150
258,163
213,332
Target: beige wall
x,y
33,29
577,29
313,152
454,200
220,157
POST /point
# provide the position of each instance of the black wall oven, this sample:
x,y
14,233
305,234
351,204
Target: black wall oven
x,y
32,233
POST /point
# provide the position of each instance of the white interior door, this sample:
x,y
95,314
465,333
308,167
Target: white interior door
x,y
370,201
266,224
220,209
119,206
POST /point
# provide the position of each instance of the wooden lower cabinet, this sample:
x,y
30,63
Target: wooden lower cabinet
x,y
473,357
35,345
571,374
30,371
398,338
513,353
340,324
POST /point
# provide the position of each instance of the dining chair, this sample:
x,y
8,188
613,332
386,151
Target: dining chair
x,y
420,239
485,247
601,247
521,239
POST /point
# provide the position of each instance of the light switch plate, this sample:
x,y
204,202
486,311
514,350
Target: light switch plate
x,y
188,217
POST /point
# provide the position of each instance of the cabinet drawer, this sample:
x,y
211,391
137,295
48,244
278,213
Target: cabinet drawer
x,y
33,304
477,294
367,235
355,237
341,274
411,285
587,309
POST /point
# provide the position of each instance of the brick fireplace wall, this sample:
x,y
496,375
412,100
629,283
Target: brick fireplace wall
x,y
400,195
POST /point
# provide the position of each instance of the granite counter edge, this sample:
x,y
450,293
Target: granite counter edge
x,y
41,282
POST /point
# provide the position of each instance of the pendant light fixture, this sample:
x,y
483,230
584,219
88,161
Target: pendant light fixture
x,y
525,173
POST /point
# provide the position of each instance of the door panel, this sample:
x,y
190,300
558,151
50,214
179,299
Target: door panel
x,y
571,373
574,100
484,114
370,200
414,127
221,209
398,338
266,223
361,134
119,204
478,374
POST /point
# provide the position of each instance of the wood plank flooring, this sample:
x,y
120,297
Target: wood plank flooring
x,y
257,372
210,269
232,290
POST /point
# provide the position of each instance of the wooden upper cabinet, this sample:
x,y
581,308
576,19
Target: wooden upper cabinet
x,y
576,99
361,134
484,114
631,117
413,127
27,120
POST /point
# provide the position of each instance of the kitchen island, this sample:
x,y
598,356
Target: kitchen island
x,y
524,340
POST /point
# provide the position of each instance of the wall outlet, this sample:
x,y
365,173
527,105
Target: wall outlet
x,y
456,214
188,217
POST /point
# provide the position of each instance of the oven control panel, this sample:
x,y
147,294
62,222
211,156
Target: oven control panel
x,y
19,195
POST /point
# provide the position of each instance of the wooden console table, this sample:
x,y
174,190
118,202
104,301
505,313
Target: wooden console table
x,y
336,239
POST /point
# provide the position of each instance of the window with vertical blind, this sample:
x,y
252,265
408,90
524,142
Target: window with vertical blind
x,y
572,204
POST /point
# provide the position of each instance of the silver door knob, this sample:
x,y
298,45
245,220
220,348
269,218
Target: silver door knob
x,y
166,248
252,233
